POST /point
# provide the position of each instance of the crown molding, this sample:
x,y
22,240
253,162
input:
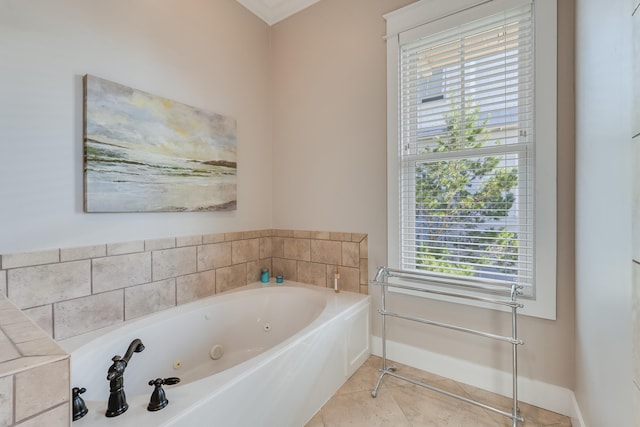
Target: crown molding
x,y
274,11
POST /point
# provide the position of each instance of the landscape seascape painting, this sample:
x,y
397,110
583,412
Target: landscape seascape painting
x,y
144,153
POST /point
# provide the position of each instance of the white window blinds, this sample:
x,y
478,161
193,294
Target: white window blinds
x,y
466,150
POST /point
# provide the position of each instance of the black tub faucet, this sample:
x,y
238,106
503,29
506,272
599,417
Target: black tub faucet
x,y
117,399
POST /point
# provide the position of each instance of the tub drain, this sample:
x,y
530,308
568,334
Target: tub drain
x,y
216,351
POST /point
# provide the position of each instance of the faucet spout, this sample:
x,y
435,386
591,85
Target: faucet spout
x,y
136,346
117,399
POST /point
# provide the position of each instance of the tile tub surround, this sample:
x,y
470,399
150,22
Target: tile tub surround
x,y
71,291
34,373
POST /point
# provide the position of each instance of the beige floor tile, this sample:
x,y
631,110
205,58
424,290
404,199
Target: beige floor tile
x,y
400,403
359,409
424,407
364,379
533,415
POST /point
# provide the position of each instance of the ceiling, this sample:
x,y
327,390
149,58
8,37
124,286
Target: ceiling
x,y
272,11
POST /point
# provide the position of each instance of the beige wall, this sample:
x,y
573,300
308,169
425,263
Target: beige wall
x,y
330,159
329,119
212,55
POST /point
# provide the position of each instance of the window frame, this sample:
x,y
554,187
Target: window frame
x,y
407,24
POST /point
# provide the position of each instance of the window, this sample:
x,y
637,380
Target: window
x,y
465,140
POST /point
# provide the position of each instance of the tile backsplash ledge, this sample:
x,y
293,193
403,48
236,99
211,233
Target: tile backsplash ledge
x,y
71,291
34,373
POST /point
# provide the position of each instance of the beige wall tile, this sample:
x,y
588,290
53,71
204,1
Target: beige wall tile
x,y
20,332
287,267
283,233
5,304
157,244
10,315
6,401
346,237
277,247
265,247
40,347
301,234
245,250
231,277
42,316
254,269
351,254
56,417
212,238
35,286
145,299
85,314
41,388
7,350
349,280
312,273
228,237
188,241
173,262
364,271
320,235
84,252
29,259
195,286
214,255
364,248
364,289
125,248
253,234
326,252
24,363
299,249
121,271
358,237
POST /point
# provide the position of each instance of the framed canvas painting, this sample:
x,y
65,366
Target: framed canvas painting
x,y
145,153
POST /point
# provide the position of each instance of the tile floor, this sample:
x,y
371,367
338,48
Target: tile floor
x,y
402,404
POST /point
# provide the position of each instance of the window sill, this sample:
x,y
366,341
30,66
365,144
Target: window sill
x,y
533,306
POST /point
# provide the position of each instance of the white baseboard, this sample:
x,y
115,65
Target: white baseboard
x,y
537,393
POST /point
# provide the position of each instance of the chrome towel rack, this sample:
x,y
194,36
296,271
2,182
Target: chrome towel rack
x,y
492,295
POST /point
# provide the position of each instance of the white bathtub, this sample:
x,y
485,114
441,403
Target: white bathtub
x,y
287,349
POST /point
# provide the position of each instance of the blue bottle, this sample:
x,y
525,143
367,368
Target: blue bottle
x,y
264,276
